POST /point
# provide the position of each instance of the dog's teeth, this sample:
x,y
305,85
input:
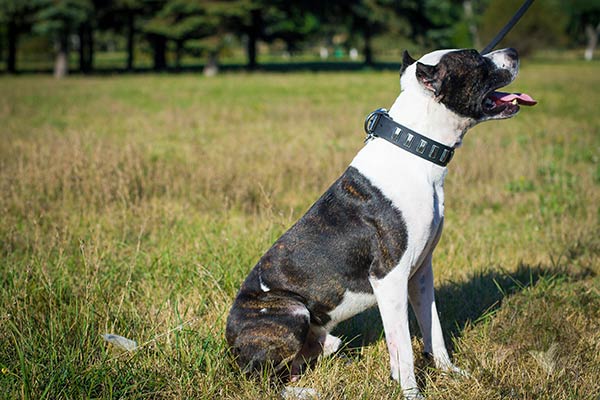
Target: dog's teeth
x,y
514,102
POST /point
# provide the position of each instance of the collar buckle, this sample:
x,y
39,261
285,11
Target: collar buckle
x,y
371,123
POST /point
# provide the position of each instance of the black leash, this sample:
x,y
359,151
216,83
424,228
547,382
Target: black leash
x,y
507,27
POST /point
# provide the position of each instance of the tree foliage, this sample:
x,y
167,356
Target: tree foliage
x,y
204,27
16,16
58,18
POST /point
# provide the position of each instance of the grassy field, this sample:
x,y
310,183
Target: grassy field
x,y
136,205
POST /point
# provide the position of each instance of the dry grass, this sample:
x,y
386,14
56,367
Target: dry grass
x,y
133,205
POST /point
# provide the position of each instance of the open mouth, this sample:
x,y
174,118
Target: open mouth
x,y
504,105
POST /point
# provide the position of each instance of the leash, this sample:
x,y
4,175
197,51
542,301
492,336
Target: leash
x,y
507,27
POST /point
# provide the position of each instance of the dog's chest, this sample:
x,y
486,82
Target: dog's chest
x,y
414,186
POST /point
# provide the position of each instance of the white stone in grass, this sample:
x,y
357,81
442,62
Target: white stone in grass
x,y
299,393
120,341
547,359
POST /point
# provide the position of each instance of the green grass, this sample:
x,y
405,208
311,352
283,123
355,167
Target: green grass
x,y
136,205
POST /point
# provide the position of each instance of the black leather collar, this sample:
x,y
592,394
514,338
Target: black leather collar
x,y
379,124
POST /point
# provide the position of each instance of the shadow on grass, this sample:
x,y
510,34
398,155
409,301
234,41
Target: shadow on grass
x,y
458,303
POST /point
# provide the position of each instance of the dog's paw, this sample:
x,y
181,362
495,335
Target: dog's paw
x,y
299,393
450,368
331,344
444,364
412,394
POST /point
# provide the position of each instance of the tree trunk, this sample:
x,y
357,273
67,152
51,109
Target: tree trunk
x,y
159,48
178,54
90,53
592,37
253,33
251,51
82,46
130,39
86,48
11,61
368,48
211,68
61,63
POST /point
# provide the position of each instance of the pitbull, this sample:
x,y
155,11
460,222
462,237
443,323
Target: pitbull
x,y
369,239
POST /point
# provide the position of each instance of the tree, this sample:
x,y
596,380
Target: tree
x,y
59,19
433,23
85,34
16,15
121,16
254,20
199,21
427,22
291,21
584,23
156,29
591,32
366,18
208,22
244,18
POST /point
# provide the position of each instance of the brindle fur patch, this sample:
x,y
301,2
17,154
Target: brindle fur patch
x,y
462,79
351,233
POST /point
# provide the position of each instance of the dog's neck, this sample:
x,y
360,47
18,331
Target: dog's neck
x,y
423,114
381,160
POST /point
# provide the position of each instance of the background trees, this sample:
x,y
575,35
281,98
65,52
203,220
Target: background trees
x,y
584,23
168,31
59,19
15,18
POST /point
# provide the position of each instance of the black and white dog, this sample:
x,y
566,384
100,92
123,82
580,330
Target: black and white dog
x,y
369,239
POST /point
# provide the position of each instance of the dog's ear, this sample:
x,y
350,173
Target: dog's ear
x,y
407,60
429,77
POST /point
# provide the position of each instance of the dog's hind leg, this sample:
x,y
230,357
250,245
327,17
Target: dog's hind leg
x,y
267,333
318,343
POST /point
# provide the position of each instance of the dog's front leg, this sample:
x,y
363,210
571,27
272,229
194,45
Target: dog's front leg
x,y
422,300
391,293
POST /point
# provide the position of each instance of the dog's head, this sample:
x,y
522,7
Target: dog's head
x,y
466,82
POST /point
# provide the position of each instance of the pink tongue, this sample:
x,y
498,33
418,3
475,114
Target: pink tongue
x,y
522,98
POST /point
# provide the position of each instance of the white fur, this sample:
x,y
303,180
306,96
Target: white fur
x,y
502,61
331,344
352,304
263,287
301,312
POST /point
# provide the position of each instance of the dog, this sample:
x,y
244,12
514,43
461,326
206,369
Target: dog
x,y
369,239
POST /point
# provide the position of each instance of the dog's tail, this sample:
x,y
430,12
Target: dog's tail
x,y
265,334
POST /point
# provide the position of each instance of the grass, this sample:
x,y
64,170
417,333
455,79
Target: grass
x,y
136,205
